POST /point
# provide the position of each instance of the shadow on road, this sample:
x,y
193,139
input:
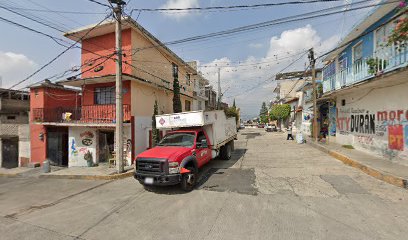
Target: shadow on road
x,y
205,173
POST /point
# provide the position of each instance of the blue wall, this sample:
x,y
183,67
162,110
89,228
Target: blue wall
x,y
368,39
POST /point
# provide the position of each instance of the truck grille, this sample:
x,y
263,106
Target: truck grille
x,y
150,165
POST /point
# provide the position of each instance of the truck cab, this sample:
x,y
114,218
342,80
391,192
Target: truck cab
x,y
198,138
179,152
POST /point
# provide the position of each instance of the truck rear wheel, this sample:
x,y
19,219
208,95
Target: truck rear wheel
x,y
189,180
226,151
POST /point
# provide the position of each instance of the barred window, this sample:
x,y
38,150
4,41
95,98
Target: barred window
x,y
105,95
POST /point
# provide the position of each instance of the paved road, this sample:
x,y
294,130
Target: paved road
x,y
271,189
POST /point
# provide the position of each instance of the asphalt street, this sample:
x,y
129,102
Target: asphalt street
x,y
270,189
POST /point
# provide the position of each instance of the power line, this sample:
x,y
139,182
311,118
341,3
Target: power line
x,y
231,7
305,16
99,3
270,78
59,55
57,11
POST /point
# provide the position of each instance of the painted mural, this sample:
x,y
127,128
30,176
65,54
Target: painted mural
x,y
384,132
82,146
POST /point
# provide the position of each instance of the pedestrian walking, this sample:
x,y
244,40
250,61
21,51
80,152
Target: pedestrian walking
x,y
289,129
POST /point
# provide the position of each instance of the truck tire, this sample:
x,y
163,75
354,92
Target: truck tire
x,y
226,151
189,180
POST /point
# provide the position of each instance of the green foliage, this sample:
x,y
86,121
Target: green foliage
x,y
155,131
176,96
264,119
232,112
264,110
280,112
233,105
374,64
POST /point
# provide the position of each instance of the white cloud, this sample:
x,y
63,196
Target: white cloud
x,y
180,4
14,67
251,83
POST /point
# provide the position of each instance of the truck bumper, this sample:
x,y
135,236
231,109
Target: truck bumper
x,y
159,180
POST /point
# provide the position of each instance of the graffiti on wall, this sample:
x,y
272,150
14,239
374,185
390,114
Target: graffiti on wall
x,y
385,131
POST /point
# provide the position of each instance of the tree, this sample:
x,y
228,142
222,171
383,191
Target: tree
x,y
155,131
264,110
233,104
280,112
176,92
232,112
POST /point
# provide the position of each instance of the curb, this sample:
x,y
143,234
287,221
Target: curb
x,y
391,179
10,175
90,177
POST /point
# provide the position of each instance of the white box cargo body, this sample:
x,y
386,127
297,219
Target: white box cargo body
x,y
219,128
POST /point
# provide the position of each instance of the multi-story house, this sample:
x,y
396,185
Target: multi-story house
x,y
14,129
367,78
211,98
73,120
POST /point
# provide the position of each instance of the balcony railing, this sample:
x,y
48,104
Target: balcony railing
x,y
382,61
83,114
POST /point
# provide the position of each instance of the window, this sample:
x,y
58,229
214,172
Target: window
x,y
187,105
175,70
11,117
188,76
105,95
358,53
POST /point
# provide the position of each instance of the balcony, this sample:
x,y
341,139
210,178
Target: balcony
x,y
385,60
84,114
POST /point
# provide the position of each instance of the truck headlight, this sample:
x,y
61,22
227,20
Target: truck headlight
x,y
174,168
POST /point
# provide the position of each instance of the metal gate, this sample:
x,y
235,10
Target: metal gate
x,y
9,153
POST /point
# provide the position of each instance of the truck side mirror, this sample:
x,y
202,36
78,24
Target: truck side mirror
x,y
204,143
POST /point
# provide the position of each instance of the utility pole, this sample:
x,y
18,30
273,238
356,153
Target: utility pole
x,y
219,89
312,64
118,90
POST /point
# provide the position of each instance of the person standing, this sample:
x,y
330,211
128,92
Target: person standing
x,y
289,129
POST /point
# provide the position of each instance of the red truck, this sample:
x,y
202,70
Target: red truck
x,y
192,140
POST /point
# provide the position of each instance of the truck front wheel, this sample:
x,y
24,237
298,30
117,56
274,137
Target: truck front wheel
x,y
189,180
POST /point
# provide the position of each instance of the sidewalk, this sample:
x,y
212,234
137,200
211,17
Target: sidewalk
x,y
377,167
101,172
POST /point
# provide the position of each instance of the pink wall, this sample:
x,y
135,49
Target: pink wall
x,y
104,46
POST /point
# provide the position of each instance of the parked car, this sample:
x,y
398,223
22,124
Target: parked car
x,y
199,137
261,125
241,126
270,128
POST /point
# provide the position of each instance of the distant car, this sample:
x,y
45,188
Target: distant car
x,y
241,126
270,128
261,125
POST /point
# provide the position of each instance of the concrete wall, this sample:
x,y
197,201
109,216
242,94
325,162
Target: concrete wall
x,y
375,120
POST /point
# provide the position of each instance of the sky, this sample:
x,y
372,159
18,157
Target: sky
x,y
248,61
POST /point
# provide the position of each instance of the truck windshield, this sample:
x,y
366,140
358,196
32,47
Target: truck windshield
x,y
178,139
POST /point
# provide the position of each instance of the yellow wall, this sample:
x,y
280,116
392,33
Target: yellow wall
x,y
157,63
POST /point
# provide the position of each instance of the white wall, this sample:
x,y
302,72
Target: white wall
x,y
142,127
76,147
383,129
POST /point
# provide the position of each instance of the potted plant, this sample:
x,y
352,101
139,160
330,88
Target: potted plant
x,y
89,159
376,65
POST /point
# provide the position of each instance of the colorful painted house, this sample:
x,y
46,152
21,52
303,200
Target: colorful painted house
x,y
73,120
366,79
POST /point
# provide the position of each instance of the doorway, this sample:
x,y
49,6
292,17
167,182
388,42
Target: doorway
x,y
106,145
9,153
57,146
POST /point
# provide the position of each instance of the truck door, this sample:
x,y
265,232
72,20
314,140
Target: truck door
x,y
203,153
